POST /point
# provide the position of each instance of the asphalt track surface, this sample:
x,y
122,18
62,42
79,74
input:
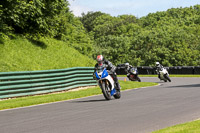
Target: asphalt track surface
x,y
141,110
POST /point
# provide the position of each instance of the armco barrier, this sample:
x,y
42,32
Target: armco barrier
x,y
14,84
146,70
175,70
197,70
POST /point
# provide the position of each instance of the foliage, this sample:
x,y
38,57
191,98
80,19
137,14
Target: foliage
x,y
115,47
171,37
37,18
33,16
87,19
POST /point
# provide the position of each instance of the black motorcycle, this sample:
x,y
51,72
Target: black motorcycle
x,y
133,75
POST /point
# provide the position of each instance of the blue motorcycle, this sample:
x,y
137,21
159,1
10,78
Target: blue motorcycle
x,y
107,84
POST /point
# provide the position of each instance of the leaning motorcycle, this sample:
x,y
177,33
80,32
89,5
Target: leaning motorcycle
x,y
107,84
133,75
164,75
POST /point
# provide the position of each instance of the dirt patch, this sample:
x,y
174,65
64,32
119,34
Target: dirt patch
x,y
81,88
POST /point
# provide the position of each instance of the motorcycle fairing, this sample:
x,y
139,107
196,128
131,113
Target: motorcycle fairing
x,y
162,73
113,91
104,74
97,76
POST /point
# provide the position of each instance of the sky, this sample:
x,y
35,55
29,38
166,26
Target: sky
x,y
138,8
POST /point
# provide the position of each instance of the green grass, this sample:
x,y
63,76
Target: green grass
x,y
21,54
189,127
48,98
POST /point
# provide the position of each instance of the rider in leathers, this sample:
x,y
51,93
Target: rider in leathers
x,y
159,67
129,69
101,62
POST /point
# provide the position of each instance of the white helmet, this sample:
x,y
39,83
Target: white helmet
x,y
126,65
157,63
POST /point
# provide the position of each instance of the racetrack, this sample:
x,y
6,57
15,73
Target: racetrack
x,y
138,111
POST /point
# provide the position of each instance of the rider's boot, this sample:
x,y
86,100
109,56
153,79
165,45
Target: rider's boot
x,y
118,87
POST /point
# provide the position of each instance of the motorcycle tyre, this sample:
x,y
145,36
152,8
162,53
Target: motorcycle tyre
x,y
133,79
139,80
167,77
117,95
129,78
105,91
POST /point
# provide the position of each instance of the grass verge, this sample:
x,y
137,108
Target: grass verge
x,y
48,98
189,127
21,54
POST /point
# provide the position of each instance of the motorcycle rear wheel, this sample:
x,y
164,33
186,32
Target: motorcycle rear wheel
x,y
139,80
106,90
167,77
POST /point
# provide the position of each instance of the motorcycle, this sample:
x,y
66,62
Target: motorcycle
x,y
163,74
133,75
107,84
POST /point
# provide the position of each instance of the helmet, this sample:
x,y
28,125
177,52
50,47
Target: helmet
x,y
157,63
126,65
100,60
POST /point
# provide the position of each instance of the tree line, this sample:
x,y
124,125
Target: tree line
x,y
171,37
43,18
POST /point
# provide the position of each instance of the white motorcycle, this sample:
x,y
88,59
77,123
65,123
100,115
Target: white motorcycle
x,y
163,74
107,84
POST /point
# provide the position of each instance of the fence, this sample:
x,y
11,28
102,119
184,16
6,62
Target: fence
x,y
172,70
14,84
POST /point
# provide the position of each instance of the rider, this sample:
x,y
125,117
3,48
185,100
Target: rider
x,y
128,69
102,62
159,68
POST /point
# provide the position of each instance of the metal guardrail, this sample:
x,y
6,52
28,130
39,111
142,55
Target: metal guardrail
x,y
172,70
15,84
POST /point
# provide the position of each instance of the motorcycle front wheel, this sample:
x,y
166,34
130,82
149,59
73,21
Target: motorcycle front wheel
x,y
131,77
117,95
106,90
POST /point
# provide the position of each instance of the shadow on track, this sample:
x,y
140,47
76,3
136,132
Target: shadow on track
x,y
98,100
186,86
